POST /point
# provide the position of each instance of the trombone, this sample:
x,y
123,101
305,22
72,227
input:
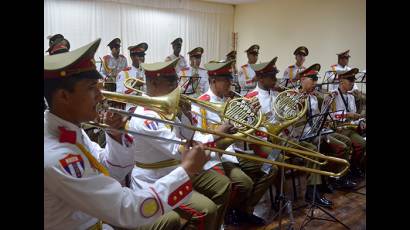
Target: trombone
x,y
241,155
166,106
273,132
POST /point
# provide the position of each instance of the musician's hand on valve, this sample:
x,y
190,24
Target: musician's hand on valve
x,y
226,127
255,104
193,160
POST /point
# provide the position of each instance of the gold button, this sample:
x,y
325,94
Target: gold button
x,y
62,73
187,188
175,198
181,193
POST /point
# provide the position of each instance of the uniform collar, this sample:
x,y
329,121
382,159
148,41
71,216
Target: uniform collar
x,y
299,67
262,91
213,97
57,126
134,68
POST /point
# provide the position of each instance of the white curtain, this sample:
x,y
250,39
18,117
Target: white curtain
x,y
156,22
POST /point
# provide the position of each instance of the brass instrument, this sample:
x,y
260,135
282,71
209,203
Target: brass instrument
x,y
167,107
220,109
244,156
132,84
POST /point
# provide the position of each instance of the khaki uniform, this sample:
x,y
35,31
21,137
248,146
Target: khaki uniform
x,y
155,159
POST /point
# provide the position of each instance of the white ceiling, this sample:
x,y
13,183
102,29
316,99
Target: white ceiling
x,y
232,2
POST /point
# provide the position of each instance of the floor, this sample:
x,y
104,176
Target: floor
x,y
349,207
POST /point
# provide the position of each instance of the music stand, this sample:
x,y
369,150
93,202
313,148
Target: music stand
x,y
317,132
283,201
190,82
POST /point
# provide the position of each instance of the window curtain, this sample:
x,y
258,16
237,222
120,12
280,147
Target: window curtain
x,y
157,22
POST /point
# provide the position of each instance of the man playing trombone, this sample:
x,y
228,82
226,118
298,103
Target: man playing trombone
x,y
81,180
155,159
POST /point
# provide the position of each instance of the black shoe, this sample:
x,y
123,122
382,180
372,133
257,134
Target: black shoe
x,y
319,199
250,218
232,218
345,183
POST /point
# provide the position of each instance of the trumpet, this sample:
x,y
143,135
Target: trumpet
x,y
166,106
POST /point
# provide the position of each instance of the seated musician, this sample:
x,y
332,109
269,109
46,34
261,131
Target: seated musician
x,y
297,131
334,144
137,55
194,79
155,159
81,180
333,78
249,182
291,74
344,107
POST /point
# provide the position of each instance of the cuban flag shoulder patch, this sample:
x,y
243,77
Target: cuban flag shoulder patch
x,y
73,164
153,125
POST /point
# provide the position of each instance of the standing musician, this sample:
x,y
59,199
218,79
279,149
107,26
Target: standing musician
x,y
291,75
246,73
155,159
176,47
344,108
137,55
113,63
247,190
194,79
81,180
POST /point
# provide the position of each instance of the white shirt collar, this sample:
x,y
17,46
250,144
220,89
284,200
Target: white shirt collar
x,y
213,97
262,91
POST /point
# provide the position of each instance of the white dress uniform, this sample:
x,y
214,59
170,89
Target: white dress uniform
x,y
77,195
330,76
181,63
341,106
115,64
245,77
129,72
266,99
187,72
289,76
148,151
203,119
